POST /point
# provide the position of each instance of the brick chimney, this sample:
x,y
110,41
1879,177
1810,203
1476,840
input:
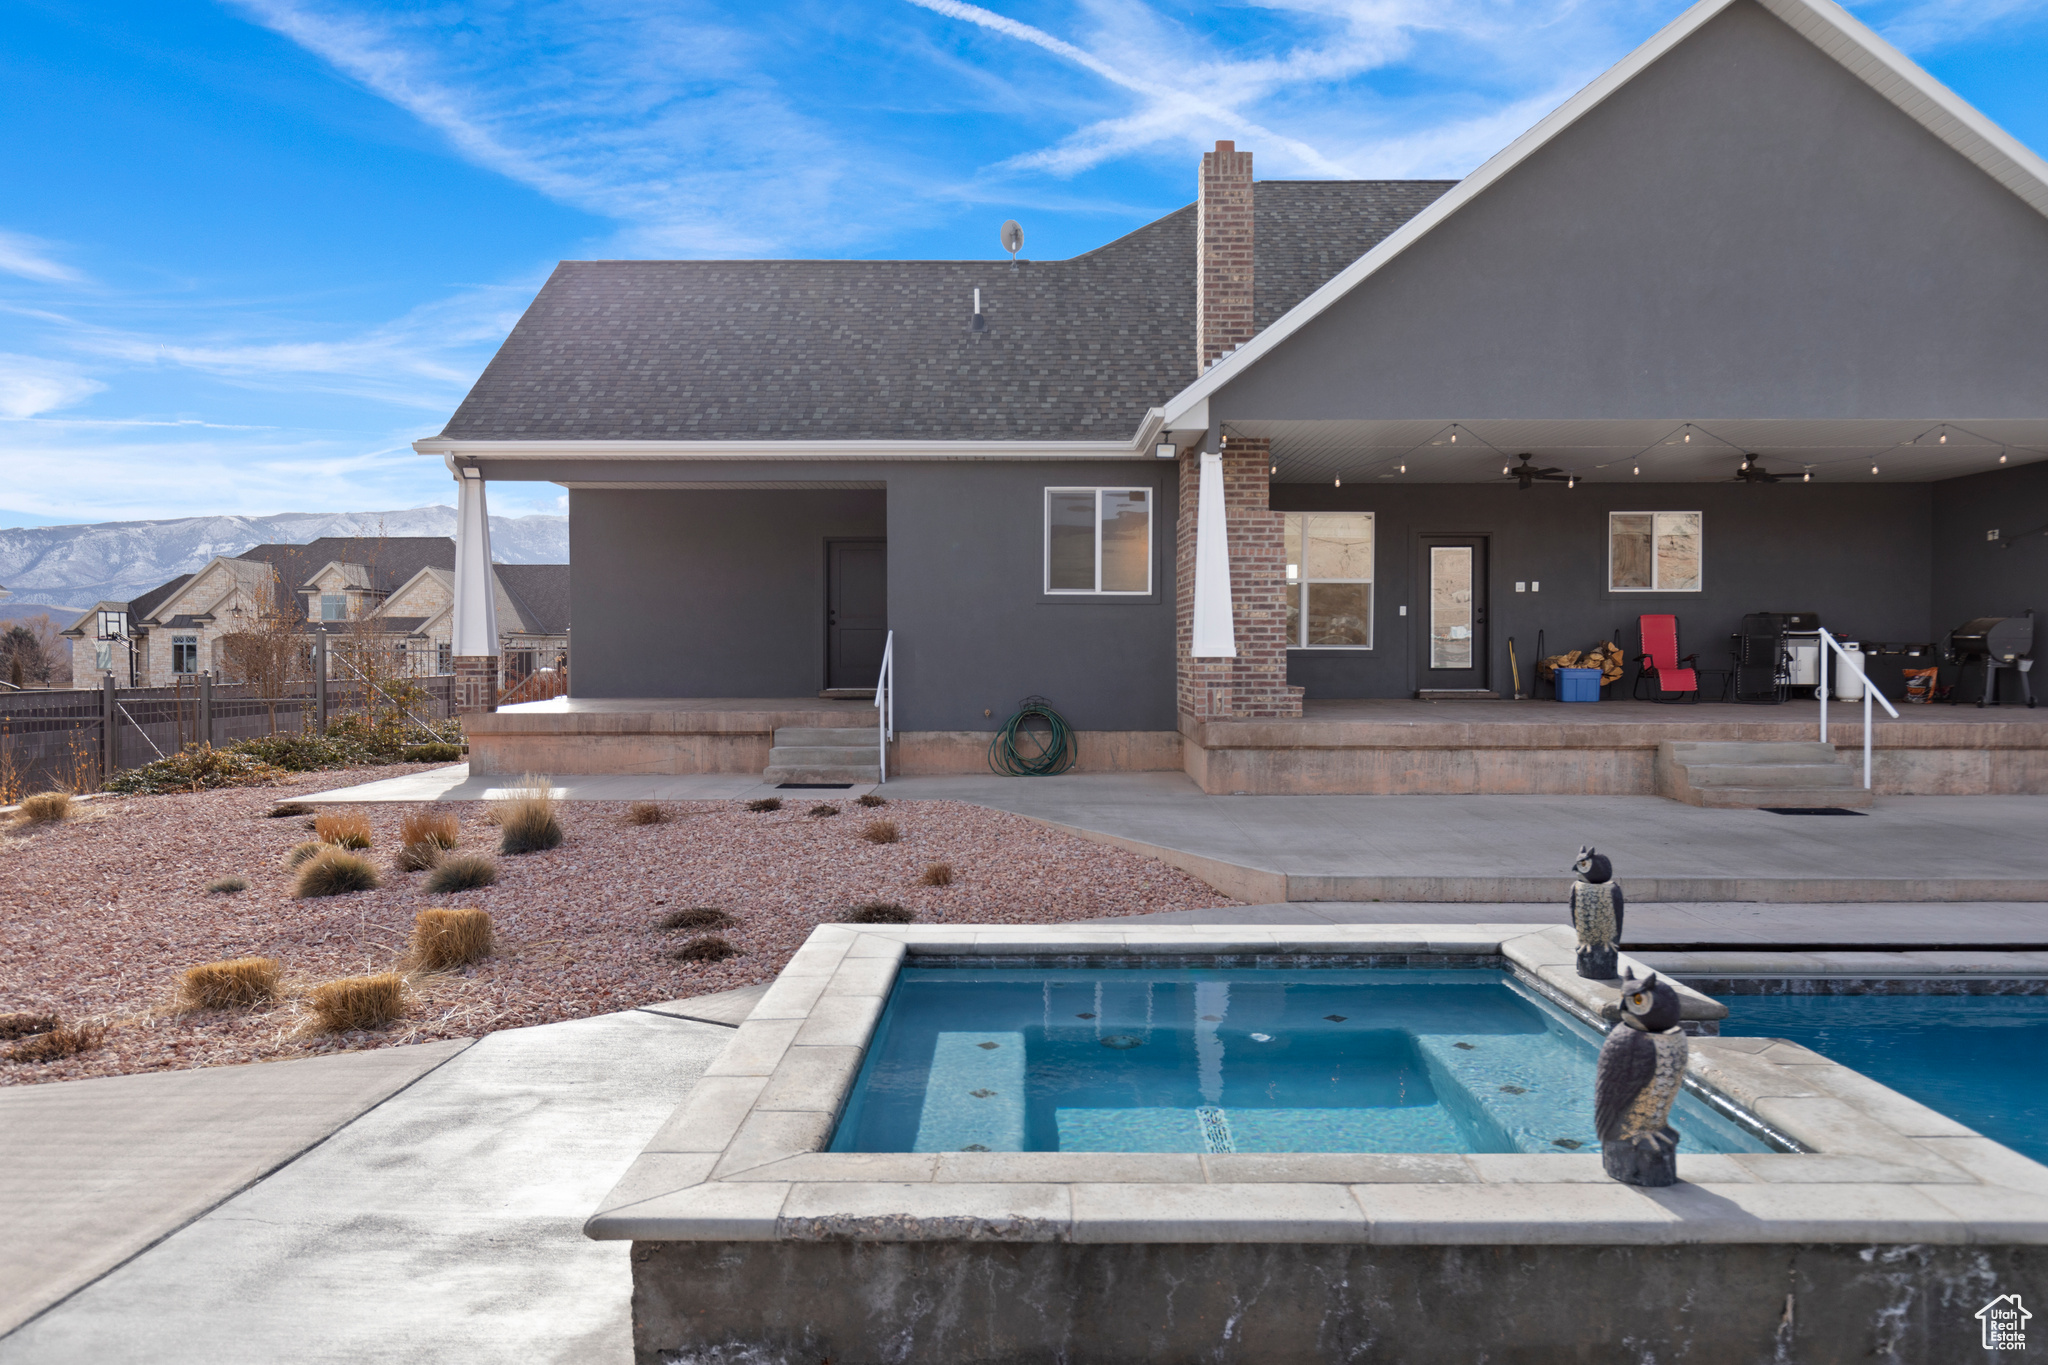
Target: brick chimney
x,y
1223,254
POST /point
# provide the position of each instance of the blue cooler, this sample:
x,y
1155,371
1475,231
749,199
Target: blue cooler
x,y
1578,684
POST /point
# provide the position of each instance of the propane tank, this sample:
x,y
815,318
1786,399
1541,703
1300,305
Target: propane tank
x,y
1848,686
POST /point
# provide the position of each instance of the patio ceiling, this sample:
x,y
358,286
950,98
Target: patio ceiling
x,y
1673,451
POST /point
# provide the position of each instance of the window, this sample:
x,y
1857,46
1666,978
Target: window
x,y
1329,563
444,657
1098,540
103,655
333,606
1653,552
184,654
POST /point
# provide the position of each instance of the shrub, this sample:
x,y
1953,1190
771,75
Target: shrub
x,y
198,767
463,872
287,809
821,811
445,939
433,753
417,857
881,832
45,808
22,1024
645,813
697,917
425,825
65,1040
227,886
225,985
879,912
299,853
765,803
936,874
870,800
334,872
528,817
343,828
358,1001
710,948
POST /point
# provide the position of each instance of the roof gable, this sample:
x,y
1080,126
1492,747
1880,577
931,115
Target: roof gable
x,y
1797,96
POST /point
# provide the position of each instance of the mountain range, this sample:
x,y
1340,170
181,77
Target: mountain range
x,y
76,566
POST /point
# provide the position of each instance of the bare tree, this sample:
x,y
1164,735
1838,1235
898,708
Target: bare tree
x,y
267,645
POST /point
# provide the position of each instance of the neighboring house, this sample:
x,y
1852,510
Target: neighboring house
x,y
391,594
1752,323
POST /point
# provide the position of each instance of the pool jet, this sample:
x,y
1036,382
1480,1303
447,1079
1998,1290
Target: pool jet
x,y
1642,1068
1596,914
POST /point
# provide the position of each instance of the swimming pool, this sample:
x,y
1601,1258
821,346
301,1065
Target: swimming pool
x,y
1321,1059
1980,1059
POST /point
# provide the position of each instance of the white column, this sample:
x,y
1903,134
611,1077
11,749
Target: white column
x,y
1214,632
476,591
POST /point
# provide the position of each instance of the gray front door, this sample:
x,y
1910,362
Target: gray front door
x,y
1453,625
856,611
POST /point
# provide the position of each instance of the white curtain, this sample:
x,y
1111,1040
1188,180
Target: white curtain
x,y
1215,634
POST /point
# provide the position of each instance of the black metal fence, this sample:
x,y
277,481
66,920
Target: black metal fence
x,y
61,737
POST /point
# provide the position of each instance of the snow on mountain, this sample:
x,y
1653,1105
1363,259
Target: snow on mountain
x,y
76,566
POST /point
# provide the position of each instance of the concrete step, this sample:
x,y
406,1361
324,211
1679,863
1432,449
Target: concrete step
x,y
1772,775
871,772
827,755
848,737
1726,751
1753,798
1758,774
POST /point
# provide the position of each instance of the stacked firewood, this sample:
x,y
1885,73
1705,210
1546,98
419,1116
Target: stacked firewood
x,y
1605,656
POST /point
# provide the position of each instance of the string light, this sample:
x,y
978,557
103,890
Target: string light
x,y
1404,469
1944,438
1339,483
1274,470
1505,470
1572,482
1638,469
2001,457
1688,433
1807,477
1454,433
1873,469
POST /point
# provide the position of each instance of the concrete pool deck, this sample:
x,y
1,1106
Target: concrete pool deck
x,y
1474,849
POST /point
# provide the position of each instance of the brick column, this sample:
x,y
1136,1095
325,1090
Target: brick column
x,y
476,683
1253,686
1223,253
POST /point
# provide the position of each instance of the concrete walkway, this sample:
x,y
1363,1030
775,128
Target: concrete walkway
x,y
442,1226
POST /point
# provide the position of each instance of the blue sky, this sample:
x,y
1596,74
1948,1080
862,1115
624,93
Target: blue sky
x,y
251,249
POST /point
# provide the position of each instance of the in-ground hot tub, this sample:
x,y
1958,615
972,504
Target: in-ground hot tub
x,y
1876,1227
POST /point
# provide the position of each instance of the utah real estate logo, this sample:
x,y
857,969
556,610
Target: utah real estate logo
x,y
2005,1323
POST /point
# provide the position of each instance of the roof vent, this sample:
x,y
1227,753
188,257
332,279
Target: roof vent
x,y
980,323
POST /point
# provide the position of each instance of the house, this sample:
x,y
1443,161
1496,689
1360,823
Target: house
x,y
391,594
1750,324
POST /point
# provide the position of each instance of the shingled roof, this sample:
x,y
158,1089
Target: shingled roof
x,y
882,350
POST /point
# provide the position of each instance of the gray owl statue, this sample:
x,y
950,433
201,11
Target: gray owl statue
x,y
1642,1067
1596,914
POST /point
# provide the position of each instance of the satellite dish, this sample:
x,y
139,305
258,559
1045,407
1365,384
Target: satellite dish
x,y
1013,237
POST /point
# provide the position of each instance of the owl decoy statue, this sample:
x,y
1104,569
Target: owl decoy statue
x,y
1642,1067
1596,915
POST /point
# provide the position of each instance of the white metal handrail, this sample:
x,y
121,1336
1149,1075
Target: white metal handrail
x,y
1829,642
885,701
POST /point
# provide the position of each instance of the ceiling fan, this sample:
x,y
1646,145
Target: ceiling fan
x,y
1752,471
1527,475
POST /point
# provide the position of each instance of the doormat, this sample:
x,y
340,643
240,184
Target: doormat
x,y
1812,810
812,786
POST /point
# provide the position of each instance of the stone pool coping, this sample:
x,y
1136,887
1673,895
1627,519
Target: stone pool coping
x,y
743,1158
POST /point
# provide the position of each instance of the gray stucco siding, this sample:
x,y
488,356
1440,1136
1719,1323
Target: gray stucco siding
x,y
1861,557
1744,230
1976,577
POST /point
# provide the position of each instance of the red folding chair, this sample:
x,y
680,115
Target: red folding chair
x,y
1677,679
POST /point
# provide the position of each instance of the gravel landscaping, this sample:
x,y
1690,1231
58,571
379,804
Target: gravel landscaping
x,y
100,914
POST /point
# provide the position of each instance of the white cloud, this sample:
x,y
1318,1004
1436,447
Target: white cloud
x,y
30,258
1923,25
30,385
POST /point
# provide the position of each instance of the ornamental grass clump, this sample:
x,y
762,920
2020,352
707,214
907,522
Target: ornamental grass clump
x,y
527,818
645,813
709,948
879,912
334,872
358,1002
425,825
298,854
227,886
697,917
417,857
765,803
25,1024
821,811
45,808
881,832
870,800
232,984
343,828
285,810
936,874
461,872
443,940
56,1044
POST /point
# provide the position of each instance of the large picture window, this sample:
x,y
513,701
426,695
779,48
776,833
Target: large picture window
x,y
1654,552
1098,540
1329,580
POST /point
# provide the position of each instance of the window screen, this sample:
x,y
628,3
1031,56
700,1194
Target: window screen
x,y
1098,540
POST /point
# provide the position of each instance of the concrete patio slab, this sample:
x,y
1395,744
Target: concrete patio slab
x,y
93,1172
439,1227
729,1008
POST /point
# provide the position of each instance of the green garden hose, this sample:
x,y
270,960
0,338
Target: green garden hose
x,y
1034,751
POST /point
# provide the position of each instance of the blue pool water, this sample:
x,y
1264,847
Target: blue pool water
x,y
1980,1059
1232,1059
